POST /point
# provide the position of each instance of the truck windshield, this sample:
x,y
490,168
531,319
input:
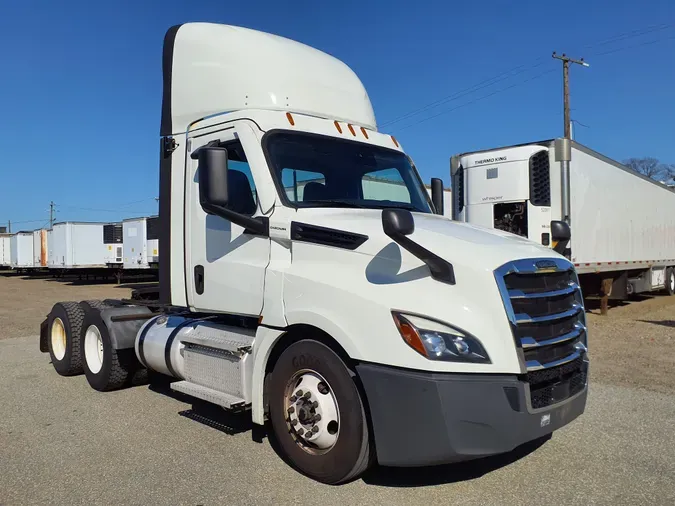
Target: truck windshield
x,y
320,171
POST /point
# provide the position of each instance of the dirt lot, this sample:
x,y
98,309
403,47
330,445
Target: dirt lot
x,y
634,345
24,301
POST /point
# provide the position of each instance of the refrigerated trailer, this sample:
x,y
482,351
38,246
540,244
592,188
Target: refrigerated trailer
x,y
621,223
21,251
363,326
141,242
77,245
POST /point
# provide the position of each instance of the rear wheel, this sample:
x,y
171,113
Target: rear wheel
x,y
670,281
63,331
105,367
317,414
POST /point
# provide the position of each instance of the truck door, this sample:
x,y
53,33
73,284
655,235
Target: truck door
x,y
225,264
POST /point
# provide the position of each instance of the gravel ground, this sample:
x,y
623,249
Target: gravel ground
x,y
63,443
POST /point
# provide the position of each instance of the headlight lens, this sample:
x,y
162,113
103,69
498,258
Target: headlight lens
x,y
439,341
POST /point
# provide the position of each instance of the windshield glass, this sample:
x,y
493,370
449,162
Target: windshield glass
x,y
321,171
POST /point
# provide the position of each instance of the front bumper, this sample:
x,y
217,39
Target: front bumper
x,y
422,418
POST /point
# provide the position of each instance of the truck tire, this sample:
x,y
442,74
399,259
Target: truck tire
x,y
317,415
93,304
670,281
104,367
64,325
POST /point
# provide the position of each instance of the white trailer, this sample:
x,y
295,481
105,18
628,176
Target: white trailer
x,y
77,245
5,250
40,248
622,224
360,326
141,242
21,245
113,242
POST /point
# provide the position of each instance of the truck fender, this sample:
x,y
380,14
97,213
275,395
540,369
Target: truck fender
x,y
123,330
265,340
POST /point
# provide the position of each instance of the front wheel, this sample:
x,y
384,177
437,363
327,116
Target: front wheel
x,y
317,413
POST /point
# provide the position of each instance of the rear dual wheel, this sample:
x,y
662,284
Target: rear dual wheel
x,y
105,367
64,327
317,414
670,280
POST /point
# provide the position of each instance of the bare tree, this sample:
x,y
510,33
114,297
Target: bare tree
x,y
651,167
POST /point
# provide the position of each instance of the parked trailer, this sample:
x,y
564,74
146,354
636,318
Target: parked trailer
x,y
621,223
141,242
363,328
5,251
21,245
40,249
77,245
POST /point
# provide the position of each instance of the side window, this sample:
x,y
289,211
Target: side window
x,y
301,185
241,187
385,184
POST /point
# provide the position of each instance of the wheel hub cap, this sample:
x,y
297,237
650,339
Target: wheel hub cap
x,y
58,338
312,412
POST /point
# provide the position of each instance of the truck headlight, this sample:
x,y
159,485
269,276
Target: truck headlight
x,y
439,341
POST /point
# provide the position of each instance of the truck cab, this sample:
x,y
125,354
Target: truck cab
x,y
305,275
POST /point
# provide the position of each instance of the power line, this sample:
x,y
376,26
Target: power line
x,y
466,91
633,46
478,99
524,68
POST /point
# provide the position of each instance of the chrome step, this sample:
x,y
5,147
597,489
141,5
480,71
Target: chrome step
x,y
227,401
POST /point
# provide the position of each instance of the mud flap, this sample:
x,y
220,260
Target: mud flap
x,y
44,348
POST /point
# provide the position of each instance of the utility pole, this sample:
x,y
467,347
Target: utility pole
x,y
51,214
566,87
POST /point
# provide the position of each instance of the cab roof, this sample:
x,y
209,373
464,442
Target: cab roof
x,y
212,68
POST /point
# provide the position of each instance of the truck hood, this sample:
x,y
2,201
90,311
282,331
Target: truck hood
x,y
458,243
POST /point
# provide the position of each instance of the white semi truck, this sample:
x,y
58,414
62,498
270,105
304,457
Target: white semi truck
x,y
360,325
621,234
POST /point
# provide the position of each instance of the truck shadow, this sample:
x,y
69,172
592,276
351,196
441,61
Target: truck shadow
x,y
592,304
663,323
448,473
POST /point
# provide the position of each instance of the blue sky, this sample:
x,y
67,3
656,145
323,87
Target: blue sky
x,y
80,88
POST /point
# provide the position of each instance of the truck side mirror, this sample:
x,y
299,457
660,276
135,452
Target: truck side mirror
x,y
397,222
560,235
212,177
437,194
214,191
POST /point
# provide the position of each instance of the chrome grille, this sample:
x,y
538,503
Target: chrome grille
x,y
545,307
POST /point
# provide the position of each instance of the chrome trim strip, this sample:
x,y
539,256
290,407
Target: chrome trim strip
x,y
519,294
529,342
535,365
525,318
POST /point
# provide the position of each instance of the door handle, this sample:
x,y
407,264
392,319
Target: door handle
x,y
199,279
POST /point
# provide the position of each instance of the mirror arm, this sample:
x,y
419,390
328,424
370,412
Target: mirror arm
x,y
441,270
258,226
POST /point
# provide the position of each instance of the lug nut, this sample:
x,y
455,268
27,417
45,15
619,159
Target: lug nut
x,y
291,410
317,417
292,398
308,395
299,393
294,421
301,431
315,404
315,429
